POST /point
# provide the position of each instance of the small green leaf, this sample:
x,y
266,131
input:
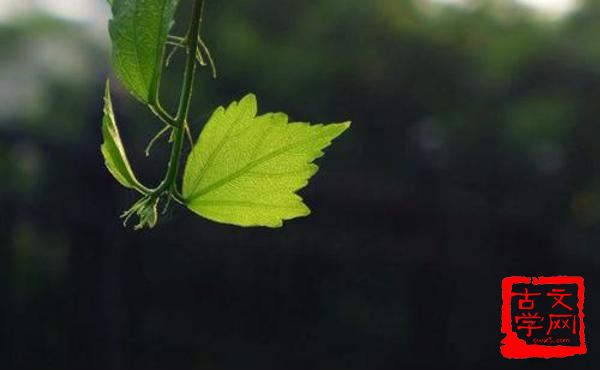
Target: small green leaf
x,y
139,31
113,150
245,169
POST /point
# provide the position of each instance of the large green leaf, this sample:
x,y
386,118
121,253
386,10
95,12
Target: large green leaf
x,y
245,169
112,148
139,31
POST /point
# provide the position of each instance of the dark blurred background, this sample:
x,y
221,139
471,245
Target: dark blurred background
x,y
473,155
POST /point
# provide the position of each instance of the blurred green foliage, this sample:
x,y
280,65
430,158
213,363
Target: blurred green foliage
x,y
473,155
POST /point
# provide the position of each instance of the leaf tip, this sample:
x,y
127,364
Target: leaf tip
x,y
336,129
275,225
249,101
344,125
249,98
305,211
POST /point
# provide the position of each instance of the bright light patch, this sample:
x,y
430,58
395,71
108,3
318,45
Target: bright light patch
x,y
557,7
10,8
552,8
89,11
72,9
452,2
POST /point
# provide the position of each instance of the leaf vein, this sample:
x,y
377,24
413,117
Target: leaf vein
x,y
212,156
240,172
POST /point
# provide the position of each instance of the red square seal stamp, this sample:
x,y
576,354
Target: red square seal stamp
x,y
542,317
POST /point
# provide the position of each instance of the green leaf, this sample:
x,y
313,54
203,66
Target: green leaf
x,y
112,148
139,31
245,169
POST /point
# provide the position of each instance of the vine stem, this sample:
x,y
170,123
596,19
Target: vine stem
x,y
169,182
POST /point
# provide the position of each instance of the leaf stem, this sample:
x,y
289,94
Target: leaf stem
x,y
184,101
161,113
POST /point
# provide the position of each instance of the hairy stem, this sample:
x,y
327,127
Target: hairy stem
x,y
179,128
